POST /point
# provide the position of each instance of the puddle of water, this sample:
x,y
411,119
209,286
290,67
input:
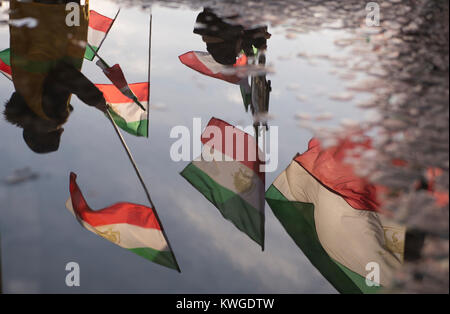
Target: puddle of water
x,y
320,86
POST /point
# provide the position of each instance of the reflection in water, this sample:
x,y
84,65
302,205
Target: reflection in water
x,y
235,185
131,226
330,210
233,52
228,174
45,64
334,217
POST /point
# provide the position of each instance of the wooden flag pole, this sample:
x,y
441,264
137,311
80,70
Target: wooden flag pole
x,y
130,156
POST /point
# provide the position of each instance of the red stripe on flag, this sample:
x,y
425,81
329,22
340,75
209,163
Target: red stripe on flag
x,y
133,214
249,145
114,96
329,168
191,60
5,68
99,22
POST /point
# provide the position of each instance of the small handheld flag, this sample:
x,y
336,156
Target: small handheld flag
x,y
99,26
127,116
234,185
5,63
204,63
130,226
116,76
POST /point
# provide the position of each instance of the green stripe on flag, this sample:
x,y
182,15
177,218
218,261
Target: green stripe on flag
x,y
232,207
164,258
297,219
5,56
89,53
138,128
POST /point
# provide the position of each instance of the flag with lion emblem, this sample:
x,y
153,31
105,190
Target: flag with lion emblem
x,y
131,226
333,216
232,181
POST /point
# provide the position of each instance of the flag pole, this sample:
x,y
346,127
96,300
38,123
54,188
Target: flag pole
x,y
130,156
135,100
149,64
107,32
263,221
1,279
97,55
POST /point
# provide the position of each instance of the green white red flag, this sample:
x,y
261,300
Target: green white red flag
x,y
99,26
331,214
233,181
5,63
124,111
116,76
130,226
204,63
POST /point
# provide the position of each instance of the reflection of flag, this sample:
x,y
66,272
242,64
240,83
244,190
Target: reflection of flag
x,y
131,226
235,187
116,76
204,63
124,111
5,64
331,215
99,26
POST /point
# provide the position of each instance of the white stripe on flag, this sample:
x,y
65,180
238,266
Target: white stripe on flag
x,y
126,235
209,62
236,177
130,111
95,37
351,237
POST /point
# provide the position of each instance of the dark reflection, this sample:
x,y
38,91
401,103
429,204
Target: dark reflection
x,y
224,41
233,45
45,62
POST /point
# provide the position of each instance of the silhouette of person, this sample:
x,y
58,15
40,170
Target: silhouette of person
x,y
224,41
46,61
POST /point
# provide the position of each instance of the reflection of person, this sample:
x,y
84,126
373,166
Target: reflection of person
x,y
46,62
224,41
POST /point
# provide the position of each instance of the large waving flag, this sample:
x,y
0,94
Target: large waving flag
x,y
131,226
124,111
331,214
99,26
235,187
5,63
